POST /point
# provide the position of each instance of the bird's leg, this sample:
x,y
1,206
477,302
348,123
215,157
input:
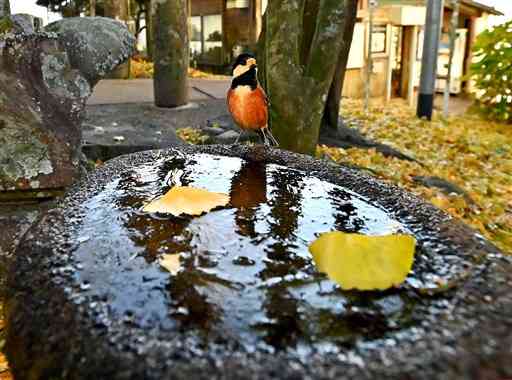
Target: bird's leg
x,y
240,135
272,138
269,139
265,140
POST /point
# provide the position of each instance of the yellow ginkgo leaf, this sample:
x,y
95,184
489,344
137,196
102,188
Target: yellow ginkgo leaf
x,y
171,262
187,200
363,262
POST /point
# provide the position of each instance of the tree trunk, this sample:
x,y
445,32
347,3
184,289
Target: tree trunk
x,y
5,8
332,108
149,28
171,53
92,8
118,10
255,27
71,10
304,39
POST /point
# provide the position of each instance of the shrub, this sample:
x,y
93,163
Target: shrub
x,y
140,68
492,72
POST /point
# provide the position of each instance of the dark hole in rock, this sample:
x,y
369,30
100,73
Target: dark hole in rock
x,y
248,291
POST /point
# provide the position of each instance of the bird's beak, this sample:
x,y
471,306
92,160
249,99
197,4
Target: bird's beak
x,y
251,62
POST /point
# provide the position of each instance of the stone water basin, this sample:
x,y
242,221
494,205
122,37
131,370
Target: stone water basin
x,y
88,299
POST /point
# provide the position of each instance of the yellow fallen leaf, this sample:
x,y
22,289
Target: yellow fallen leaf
x,y
363,262
187,200
171,262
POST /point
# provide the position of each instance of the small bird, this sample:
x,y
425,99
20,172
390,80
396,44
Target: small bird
x,y
247,101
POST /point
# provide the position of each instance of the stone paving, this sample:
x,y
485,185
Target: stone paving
x,y
113,91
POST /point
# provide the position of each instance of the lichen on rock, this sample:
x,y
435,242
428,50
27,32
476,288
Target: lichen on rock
x,y
45,80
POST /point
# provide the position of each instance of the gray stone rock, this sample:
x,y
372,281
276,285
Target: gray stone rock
x,y
45,80
25,23
223,121
95,45
41,98
89,268
226,137
213,131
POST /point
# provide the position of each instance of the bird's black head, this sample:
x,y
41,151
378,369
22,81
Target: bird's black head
x,y
244,71
243,60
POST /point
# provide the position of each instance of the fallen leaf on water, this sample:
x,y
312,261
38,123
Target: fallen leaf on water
x,y
363,262
187,200
171,262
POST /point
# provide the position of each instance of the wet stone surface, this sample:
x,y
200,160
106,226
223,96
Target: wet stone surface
x,y
248,301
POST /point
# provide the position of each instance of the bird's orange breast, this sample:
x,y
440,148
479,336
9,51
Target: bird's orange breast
x,y
248,107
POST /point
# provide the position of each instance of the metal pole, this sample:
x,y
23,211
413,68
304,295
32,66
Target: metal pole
x,y
429,60
453,37
369,62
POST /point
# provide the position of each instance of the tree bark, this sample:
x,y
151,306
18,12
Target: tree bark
x,y
149,28
255,15
5,8
118,10
92,8
171,52
304,39
332,108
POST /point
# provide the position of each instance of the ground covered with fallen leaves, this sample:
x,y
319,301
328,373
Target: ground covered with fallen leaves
x,y
4,368
471,153
143,69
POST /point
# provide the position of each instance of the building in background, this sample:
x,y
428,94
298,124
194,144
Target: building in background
x,y
221,29
398,42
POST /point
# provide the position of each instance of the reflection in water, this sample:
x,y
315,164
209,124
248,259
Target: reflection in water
x,y
246,272
248,191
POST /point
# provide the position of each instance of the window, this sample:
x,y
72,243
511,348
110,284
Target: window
x,y
212,36
196,40
237,4
206,38
379,39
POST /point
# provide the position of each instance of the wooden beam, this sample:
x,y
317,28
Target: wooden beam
x,y
412,65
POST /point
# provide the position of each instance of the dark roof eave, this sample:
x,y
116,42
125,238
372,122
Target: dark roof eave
x,y
483,7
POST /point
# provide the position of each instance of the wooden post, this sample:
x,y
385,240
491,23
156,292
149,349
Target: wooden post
x,y
256,21
391,58
171,54
149,28
92,8
5,8
412,66
471,41
118,10
226,48
453,37
369,62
